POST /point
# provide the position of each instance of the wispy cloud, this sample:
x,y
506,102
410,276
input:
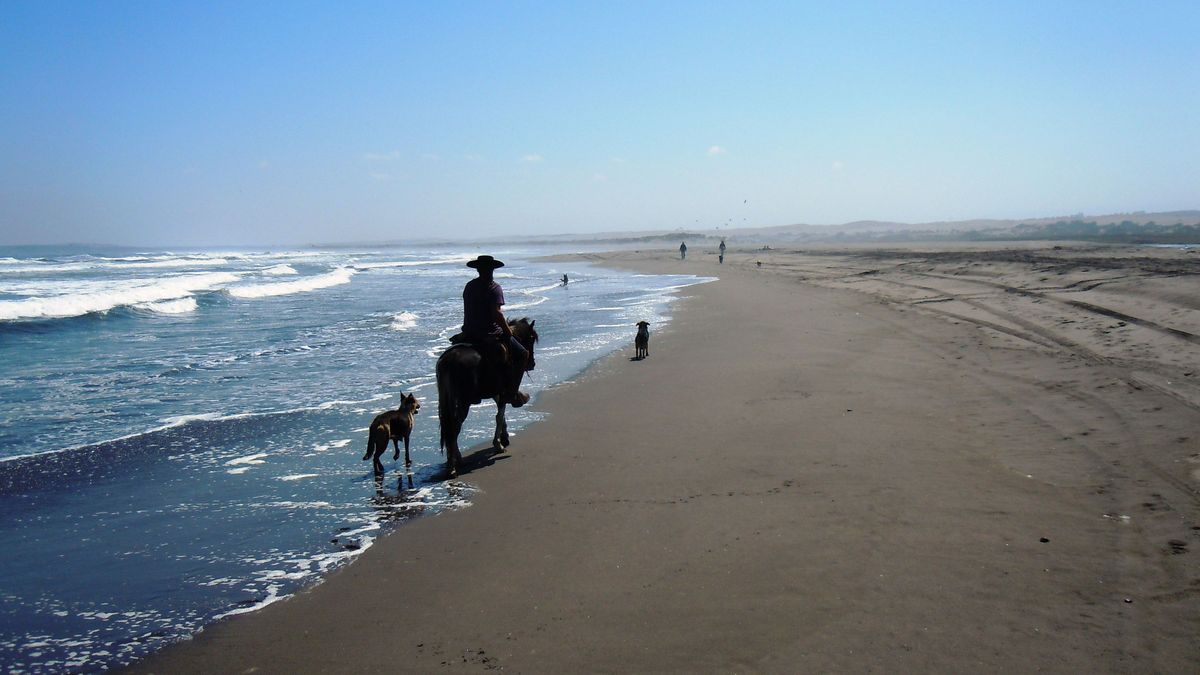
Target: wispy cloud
x,y
715,150
432,157
381,156
838,165
531,158
264,165
599,178
473,157
381,177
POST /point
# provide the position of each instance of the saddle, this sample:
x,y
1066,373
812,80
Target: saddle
x,y
489,346
493,351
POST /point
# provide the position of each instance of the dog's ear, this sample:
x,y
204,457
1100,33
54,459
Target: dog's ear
x,y
531,323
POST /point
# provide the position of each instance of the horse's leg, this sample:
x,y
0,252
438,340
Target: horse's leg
x,y
500,436
458,460
503,427
453,456
451,453
396,444
379,450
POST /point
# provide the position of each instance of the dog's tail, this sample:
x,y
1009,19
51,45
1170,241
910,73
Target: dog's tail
x,y
371,437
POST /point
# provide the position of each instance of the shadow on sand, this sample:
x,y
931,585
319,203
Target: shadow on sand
x,y
484,456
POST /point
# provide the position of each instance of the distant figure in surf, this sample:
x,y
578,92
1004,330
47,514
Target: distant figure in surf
x,y
683,251
565,280
721,258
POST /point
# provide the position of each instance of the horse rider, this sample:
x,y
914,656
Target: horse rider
x,y
482,299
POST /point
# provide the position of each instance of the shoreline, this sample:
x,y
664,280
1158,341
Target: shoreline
x,y
798,478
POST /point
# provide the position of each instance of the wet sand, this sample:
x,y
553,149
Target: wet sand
x,y
964,459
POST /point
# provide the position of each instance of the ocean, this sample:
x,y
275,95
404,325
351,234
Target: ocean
x,y
181,432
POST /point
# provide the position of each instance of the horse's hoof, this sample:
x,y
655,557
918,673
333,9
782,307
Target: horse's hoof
x,y
504,440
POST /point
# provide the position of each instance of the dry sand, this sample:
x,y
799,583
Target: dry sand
x,y
959,460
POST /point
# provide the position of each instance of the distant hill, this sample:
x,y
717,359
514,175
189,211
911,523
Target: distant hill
x,y
1168,227
1164,227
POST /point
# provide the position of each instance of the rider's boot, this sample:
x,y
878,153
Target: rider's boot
x,y
516,399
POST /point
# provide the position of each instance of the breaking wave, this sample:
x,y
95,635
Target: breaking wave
x,y
279,271
335,278
180,306
403,321
122,294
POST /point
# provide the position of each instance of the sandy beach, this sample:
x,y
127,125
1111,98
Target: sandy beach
x,y
951,459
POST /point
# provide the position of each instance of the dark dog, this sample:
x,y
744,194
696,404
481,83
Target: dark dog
x,y
641,343
393,426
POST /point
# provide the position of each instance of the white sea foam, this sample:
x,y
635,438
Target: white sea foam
x,y
299,476
273,596
411,263
129,263
403,321
109,295
190,261
540,289
279,271
256,458
534,301
337,277
180,306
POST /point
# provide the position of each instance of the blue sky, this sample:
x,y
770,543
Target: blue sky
x,y
205,123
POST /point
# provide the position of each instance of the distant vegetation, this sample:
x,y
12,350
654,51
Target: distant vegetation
x,y
1124,232
1164,227
1167,227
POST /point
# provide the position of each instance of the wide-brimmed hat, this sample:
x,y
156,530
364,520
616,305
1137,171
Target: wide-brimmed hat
x,y
485,262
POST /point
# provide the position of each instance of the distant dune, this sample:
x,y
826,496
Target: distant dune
x,y
1140,227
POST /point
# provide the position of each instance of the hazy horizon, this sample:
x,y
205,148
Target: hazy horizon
x,y
226,124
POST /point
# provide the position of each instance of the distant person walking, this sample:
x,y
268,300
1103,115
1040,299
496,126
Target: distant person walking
x,y
565,280
721,258
683,251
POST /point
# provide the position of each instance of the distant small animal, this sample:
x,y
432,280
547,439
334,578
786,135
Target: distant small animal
x,y
641,342
394,426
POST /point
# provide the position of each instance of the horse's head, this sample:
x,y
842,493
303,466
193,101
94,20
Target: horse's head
x,y
524,332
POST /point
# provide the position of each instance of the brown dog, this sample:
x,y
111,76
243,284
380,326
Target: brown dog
x,y
641,342
393,426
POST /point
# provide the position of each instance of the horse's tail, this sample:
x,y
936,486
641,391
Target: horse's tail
x,y
452,404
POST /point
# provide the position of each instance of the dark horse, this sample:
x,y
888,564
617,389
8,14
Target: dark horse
x,y
460,382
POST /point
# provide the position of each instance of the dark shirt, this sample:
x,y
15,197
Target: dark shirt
x,y
480,299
